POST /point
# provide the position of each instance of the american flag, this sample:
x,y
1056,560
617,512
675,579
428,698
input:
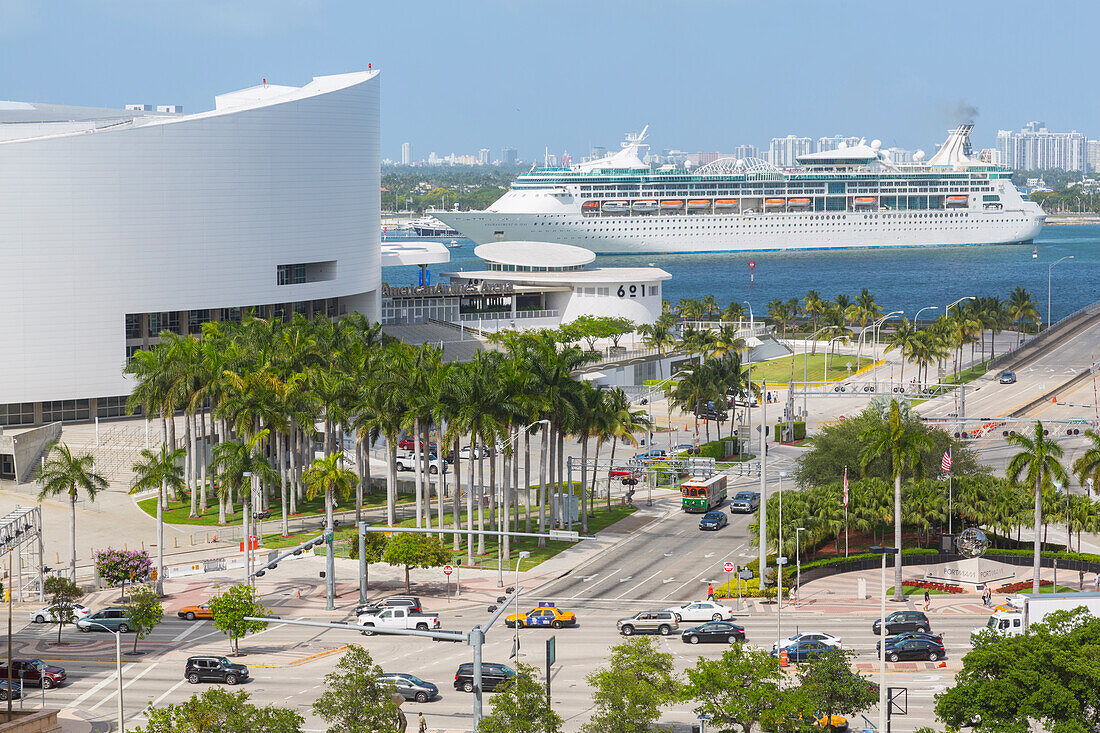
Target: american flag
x,y
845,486
945,464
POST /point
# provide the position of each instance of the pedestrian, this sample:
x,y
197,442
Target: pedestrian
x,y
710,592
927,600
987,597
421,724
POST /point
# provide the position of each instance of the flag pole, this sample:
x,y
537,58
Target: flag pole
x,y
950,511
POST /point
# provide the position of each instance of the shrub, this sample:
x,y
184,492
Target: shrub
x,y
941,587
121,566
1020,585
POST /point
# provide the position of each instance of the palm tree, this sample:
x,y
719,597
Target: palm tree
x,y
1088,465
66,473
1038,459
726,341
844,306
902,442
902,340
1023,310
240,467
658,336
813,306
734,311
159,470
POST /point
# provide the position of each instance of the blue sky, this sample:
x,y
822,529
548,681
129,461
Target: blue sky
x,y
466,74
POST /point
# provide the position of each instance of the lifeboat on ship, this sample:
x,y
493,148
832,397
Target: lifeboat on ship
x,y
865,200
798,203
698,204
672,204
616,207
590,207
957,200
644,205
772,203
725,203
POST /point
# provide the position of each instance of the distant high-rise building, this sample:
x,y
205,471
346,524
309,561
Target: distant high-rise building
x,y
433,159
1036,148
483,156
784,151
508,156
406,153
598,151
1093,155
833,143
900,155
746,151
704,158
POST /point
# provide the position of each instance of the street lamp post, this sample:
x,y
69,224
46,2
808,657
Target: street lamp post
x,y
805,367
945,310
885,552
876,334
828,354
523,555
1049,269
748,355
118,663
247,543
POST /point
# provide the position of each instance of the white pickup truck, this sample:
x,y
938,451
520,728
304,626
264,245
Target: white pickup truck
x,y
1026,609
397,618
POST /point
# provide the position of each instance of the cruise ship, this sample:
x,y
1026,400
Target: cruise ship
x,y
852,197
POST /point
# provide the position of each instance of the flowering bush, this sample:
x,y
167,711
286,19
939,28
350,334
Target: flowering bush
x,y
1020,585
119,566
941,587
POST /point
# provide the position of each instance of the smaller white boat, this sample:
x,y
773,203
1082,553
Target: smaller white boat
x,y
1035,253
616,207
453,244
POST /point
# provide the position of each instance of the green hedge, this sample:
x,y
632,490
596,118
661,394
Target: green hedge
x,y
1082,556
716,449
799,430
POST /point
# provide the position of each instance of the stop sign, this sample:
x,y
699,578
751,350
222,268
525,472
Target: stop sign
x,y
447,569
728,567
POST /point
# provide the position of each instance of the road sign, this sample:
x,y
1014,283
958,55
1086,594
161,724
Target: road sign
x,y
745,574
551,650
447,569
559,534
728,567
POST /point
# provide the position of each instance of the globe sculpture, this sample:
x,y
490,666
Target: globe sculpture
x,y
972,542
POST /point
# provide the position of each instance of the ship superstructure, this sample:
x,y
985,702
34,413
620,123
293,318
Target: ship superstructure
x,y
851,197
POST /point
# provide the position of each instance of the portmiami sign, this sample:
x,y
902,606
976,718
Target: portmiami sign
x,y
452,290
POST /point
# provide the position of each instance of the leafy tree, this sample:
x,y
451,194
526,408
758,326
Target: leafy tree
x,y
376,548
631,690
1009,683
65,473
415,551
354,701
740,691
521,706
218,710
832,688
144,610
230,608
63,594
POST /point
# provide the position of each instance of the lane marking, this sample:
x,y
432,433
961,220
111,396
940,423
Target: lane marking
x,y
639,585
167,692
126,683
101,684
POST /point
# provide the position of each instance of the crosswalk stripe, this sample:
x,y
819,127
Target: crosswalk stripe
x,y
101,684
126,683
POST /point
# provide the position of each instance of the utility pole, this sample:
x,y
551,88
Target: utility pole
x,y
763,529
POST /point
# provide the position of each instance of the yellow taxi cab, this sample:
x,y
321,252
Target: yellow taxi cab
x,y
193,612
832,723
544,614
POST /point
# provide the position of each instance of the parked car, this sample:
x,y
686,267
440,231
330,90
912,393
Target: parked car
x,y
901,621
410,602
685,449
49,613
214,669
714,521
407,443
15,693
492,676
802,651
1007,377
115,619
702,611
397,618
33,672
649,455
915,648
745,502
469,452
722,632
410,687
890,641
193,612
827,639
660,622
547,615
625,472
407,462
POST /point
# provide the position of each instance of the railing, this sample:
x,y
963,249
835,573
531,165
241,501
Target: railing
x,y
507,315
744,328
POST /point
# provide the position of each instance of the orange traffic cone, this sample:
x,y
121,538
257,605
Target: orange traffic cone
x,y
1054,398
784,660
941,665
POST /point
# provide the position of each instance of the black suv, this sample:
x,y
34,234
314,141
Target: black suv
x,y
492,676
901,621
214,669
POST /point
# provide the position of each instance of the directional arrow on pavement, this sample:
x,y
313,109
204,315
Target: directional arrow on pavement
x,y
709,554
668,580
623,580
587,578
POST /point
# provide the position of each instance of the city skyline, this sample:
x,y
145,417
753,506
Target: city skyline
x,y
564,100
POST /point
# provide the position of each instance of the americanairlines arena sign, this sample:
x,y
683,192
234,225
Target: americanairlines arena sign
x,y
451,290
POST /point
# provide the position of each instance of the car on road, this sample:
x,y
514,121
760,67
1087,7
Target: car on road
x,y
49,613
193,612
648,622
214,669
33,672
16,690
685,449
802,651
902,621
547,615
410,686
714,521
891,640
722,632
1007,377
649,455
625,472
915,648
410,602
397,618
702,611
115,619
492,676
745,502
827,639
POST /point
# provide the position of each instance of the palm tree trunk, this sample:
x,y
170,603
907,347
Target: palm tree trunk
x,y
391,480
280,447
295,437
480,496
202,463
470,501
456,543
416,464
160,541
360,462
584,483
542,484
595,475
1038,519
897,538
550,487
440,484
425,454
563,489
527,480
188,464
505,506
72,533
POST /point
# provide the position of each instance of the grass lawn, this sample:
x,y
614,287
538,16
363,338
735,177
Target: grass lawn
x,y
781,371
601,520
176,512
967,375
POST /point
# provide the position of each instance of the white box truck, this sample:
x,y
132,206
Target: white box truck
x,y
1030,608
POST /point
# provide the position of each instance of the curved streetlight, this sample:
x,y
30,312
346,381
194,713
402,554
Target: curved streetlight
x,y
922,310
968,297
523,555
877,334
1049,269
118,662
805,366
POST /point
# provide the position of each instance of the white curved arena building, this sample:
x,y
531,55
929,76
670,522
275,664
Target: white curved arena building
x,y
118,224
